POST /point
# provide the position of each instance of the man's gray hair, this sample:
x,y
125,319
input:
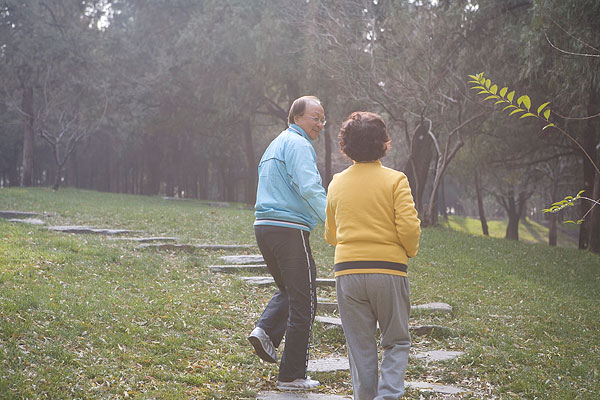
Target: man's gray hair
x,y
299,105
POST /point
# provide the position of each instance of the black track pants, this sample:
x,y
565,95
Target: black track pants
x,y
291,310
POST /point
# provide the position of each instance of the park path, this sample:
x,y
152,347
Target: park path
x,y
241,265
254,264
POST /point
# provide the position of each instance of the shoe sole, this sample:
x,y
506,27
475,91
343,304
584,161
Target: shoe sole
x,y
255,342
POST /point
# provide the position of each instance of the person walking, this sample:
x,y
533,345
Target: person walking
x,y
372,222
290,201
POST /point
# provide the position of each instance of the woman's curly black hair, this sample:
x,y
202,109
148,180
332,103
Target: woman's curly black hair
x,y
364,136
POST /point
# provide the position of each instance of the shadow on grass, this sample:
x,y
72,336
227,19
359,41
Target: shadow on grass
x,y
535,234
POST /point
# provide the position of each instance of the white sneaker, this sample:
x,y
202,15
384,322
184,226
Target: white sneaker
x,y
263,345
299,384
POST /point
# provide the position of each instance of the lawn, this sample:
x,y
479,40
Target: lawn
x,y
529,231
89,317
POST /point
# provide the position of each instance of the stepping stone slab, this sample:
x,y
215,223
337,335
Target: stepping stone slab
x,y
329,321
441,307
258,280
251,259
329,364
326,306
300,396
17,214
417,330
192,247
87,229
267,280
148,239
433,387
421,386
32,221
438,355
341,363
232,269
422,330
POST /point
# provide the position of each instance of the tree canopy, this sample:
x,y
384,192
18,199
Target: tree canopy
x,y
180,97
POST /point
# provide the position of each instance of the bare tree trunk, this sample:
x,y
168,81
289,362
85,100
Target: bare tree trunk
x,y
512,228
514,210
169,184
150,184
590,142
13,175
553,231
484,225
585,206
443,207
417,166
28,136
433,210
57,177
443,160
595,219
203,178
251,168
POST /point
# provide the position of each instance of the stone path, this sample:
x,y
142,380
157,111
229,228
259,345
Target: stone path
x,y
434,387
86,229
436,307
326,305
300,396
419,330
438,355
10,214
232,269
192,247
421,386
255,263
31,221
243,259
147,242
148,239
332,364
268,280
332,306
23,217
329,364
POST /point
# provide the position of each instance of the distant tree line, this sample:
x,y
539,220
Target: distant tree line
x,y
180,97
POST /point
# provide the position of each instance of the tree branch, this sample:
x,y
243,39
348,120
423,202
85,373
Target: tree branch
x,y
569,52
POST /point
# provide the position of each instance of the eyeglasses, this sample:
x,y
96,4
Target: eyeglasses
x,y
322,121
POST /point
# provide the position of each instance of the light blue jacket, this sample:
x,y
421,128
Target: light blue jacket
x,y
290,189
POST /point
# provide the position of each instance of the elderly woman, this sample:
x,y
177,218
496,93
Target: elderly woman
x,y
373,224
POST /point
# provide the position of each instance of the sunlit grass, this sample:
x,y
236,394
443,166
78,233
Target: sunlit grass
x,y
529,231
84,316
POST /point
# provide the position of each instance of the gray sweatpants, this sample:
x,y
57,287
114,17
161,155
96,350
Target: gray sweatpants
x,y
364,300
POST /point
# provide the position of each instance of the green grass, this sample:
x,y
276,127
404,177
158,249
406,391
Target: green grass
x,y
84,316
529,231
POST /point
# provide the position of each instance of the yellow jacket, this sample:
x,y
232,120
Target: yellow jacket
x,y
371,220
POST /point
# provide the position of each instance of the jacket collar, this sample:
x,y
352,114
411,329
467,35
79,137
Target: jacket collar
x,y
296,129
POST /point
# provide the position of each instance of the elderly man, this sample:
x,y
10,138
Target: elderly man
x,y
290,201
